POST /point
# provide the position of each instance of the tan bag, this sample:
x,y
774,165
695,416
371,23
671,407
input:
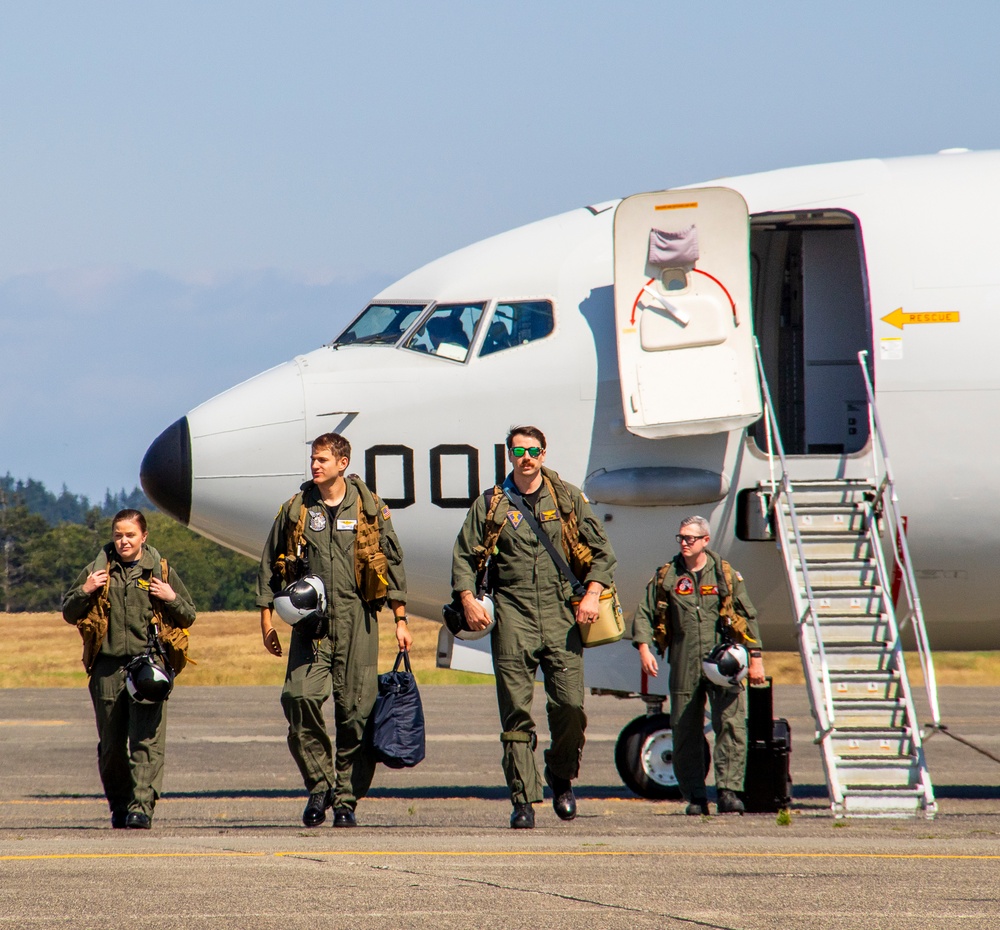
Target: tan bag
x,y
609,627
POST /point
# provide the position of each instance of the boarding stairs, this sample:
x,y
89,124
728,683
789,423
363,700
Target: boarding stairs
x,y
830,534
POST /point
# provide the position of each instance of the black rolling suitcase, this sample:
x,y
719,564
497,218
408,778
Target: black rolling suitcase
x,y
767,787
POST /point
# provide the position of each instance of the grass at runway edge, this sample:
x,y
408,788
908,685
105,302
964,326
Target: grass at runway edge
x,y
42,651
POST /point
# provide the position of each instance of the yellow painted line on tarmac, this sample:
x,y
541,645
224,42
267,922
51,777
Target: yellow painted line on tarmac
x,y
198,855
478,854
34,723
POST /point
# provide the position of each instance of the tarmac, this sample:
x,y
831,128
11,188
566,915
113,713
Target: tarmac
x,y
433,847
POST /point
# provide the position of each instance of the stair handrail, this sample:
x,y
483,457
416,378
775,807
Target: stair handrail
x,y
901,549
774,439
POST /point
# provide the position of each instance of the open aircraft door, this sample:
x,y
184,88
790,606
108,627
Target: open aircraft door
x,y
682,313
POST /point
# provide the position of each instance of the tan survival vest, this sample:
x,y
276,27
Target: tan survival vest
x,y
666,577
94,627
578,553
371,567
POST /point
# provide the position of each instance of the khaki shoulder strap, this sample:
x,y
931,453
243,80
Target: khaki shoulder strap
x,y
727,610
286,563
496,518
368,540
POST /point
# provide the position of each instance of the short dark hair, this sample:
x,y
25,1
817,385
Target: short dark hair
x,y
339,447
134,515
533,431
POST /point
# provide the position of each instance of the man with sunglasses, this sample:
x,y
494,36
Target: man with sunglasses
x,y
536,623
690,590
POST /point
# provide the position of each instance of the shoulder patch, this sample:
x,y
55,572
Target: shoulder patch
x,y
684,586
739,577
385,511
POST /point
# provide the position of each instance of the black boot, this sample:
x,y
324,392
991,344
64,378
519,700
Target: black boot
x,y
522,817
563,799
315,812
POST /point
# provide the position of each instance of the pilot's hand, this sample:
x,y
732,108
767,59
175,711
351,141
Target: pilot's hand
x,y
648,661
475,614
161,590
267,633
271,642
95,581
756,671
586,610
403,636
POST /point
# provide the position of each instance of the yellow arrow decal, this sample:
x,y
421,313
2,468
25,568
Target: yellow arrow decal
x,y
899,319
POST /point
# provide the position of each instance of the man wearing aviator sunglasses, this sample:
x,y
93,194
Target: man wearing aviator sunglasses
x,y
536,626
690,591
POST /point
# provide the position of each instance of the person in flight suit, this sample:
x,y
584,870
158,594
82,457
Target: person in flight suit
x,y
343,660
132,736
536,624
693,585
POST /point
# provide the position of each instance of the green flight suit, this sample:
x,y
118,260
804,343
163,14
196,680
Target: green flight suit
x,y
693,613
131,736
344,663
535,627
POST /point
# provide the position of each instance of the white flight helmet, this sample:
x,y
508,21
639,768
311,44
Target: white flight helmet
x,y
148,682
727,665
301,600
454,618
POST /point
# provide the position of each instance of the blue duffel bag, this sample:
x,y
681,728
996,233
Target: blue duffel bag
x,y
398,718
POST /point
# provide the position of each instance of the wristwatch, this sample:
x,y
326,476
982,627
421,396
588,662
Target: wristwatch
x,y
403,619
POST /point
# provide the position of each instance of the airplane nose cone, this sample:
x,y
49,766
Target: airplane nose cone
x,y
165,473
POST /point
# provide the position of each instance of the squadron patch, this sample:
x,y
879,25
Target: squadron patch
x,y
709,589
385,512
317,521
515,517
684,586
549,515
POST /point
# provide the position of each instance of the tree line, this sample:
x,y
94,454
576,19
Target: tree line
x,y
47,539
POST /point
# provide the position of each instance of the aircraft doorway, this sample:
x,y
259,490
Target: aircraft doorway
x,y
810,305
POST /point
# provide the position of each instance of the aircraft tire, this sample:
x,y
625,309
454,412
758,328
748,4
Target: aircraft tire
x,y
644,758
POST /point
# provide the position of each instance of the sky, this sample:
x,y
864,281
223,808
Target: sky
x,y
193,191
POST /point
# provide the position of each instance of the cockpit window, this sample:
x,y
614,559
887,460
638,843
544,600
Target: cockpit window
x,y
517,323
448,331
380,324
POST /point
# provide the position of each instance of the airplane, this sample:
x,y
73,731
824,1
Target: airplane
x,y
644,375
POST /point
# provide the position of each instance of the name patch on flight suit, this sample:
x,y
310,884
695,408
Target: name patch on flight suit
x,y
515,517
347,525
317,521
549,515
684,586
709,589
142,583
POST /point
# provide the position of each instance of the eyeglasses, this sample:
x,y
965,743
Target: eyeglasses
x,y
533,451
688,540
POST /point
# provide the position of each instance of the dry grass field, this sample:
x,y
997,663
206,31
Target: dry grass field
x,y
42,651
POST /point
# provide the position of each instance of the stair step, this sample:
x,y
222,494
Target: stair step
x,y
858,630
871,744
853,601
835,547
868,657
856,712
886,803
866,686
859,774
846,573
825,519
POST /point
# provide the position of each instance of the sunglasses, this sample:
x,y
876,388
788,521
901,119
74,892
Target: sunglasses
x,y
533,451
687,540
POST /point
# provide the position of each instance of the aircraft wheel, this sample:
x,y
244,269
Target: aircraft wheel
x,y
644,757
